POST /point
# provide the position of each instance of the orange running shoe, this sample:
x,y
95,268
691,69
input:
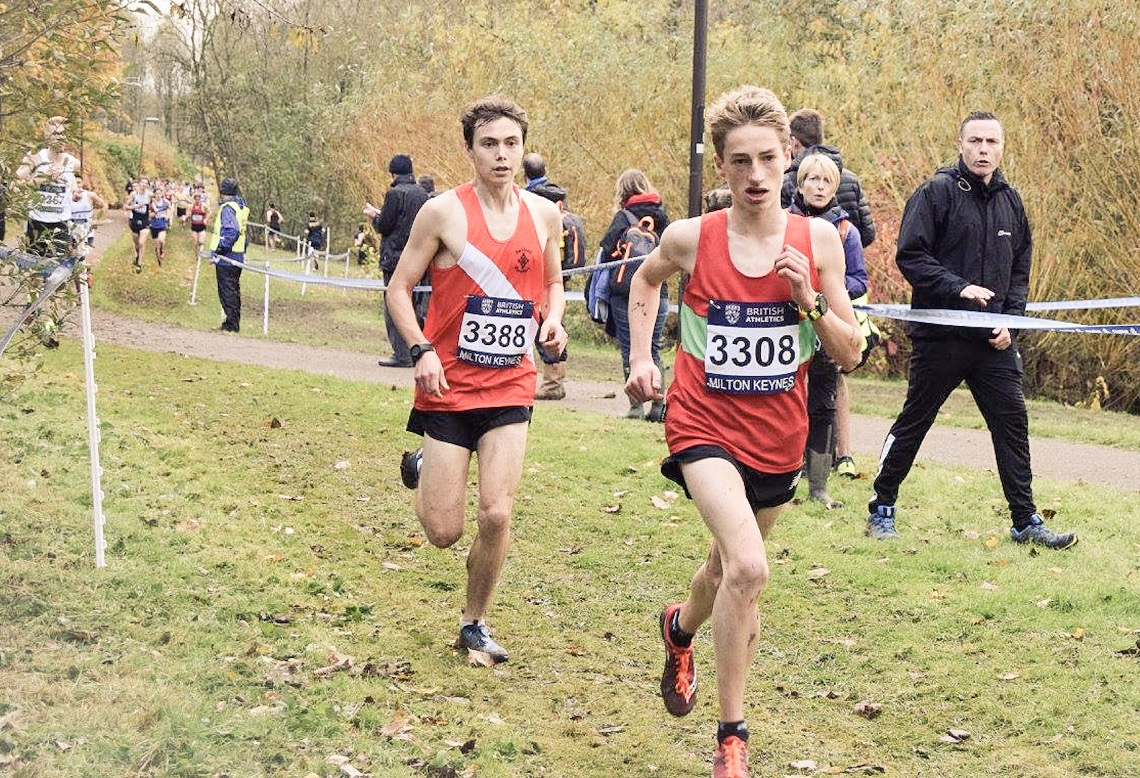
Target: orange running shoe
x,y
679,679
731,760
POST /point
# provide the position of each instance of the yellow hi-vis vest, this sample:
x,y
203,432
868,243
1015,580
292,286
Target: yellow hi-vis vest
x,y
242,214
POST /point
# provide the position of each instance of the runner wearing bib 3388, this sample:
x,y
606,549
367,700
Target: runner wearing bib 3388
x,y
758,295
492,251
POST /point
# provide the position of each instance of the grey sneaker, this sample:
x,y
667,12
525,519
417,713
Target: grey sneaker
x,y
477,637
410,464
1038,533
881,523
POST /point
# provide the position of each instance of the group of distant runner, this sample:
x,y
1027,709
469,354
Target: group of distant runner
x,y
155,206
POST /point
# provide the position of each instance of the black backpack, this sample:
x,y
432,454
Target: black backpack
x,y
573,241
638,240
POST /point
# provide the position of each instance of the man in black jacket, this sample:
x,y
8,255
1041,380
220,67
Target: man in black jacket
x,y
807,138
394,223
965,244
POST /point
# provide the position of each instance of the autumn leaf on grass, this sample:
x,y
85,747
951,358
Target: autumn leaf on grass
x,y
817,573
479,658
954,736
1078,633
665,501
867,709
611,508
338,661
397,726
341,465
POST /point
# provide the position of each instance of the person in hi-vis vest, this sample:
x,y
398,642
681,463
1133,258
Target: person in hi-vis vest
x,y
228,242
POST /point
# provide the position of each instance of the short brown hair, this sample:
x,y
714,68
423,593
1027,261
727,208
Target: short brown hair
x,y
807,127
488,109
746,105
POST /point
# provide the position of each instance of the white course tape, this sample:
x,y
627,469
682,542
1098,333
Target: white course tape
x,y
994,320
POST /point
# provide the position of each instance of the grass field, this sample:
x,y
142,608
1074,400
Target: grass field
x,y
270,607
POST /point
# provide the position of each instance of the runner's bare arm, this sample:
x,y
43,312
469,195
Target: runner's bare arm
x,y
429,240
839,333
552,335
676,253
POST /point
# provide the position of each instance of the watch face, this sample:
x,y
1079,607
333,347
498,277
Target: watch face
x,y
821,303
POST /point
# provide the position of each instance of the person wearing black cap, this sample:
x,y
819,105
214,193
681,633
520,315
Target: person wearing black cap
x,y
228,243
393,222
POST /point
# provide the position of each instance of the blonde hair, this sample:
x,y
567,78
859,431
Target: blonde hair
x,y
747,105
822,165
630,183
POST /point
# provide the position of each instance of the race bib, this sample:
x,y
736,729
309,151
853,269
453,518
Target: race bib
x,y
51,198
752,348
496,332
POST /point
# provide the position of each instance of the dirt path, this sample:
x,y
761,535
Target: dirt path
x,y
1057,459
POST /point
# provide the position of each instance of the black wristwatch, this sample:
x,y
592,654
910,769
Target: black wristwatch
x,y
816,313
419,350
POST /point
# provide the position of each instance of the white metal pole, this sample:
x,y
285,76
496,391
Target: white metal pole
x,y
93,434
265,303
194,286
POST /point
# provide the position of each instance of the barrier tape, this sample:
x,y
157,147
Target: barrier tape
x,y
951,318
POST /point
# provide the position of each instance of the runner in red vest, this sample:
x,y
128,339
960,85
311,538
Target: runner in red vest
x,y
492,251
763,286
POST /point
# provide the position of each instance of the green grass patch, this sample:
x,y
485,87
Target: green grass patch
x,y
270,607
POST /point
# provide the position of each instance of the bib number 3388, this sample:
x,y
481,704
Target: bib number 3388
x,y
496,332
751,348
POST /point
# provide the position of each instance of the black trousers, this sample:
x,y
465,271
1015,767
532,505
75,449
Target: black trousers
x,y
938,367
229,293
823,388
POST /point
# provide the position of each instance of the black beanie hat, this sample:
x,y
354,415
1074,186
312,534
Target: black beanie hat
x,y
401,165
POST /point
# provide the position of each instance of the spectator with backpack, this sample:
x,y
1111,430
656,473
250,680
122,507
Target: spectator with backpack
x,y
573,245
638,222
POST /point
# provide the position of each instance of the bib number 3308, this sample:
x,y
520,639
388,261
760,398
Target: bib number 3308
x,y
751,348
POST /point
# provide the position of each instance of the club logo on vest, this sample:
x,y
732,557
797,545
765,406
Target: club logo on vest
x,y
523,262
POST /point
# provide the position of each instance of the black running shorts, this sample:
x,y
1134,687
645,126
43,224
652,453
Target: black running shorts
x,y
764,490
465,428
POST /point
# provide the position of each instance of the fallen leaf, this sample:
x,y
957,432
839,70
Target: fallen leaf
x,y
611,508
960,734
479,658
341,465
390,566
273,423
1078,633
989,587
338,662
992,543
394,727
816,573
660,503
1008,676
1044,603
571,550
610,729
867,709
804,764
